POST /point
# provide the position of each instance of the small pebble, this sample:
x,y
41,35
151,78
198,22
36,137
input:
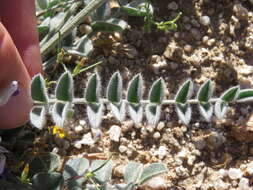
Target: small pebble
x,y
250,168
235,173
78,129
161,152
204,20
156,135
155,183
122,148
114,133
243,184
82,122
173,6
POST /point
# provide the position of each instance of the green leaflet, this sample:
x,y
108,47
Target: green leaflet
x,y
134,92
205,92
156,93
38,116
132,172
245,94
38,89
185,92
110,25
93,89
114,89
230,94
64,88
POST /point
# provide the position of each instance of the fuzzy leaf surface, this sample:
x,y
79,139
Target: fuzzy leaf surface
x,y
133,172
118,110
136,113
205,92
44,162
184,113
153,113
38,116
156,93
151,171
114,89
49,181
110,25
137,8
230,94
245,94
93,89
38,89
95,113
220,109
103,174
134,91
61,113
185,92
64,88
75,167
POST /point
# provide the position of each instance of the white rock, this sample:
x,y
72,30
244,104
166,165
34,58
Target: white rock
x,y
82,122
235,173
156,135
243,184
122,148
221,185
86,140
204,20
223,172
250,168
78,129
161,152
114,133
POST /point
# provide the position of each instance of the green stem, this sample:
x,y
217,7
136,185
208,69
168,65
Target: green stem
x,y
87,68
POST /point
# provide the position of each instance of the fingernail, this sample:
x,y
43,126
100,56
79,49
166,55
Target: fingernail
x,y
12,89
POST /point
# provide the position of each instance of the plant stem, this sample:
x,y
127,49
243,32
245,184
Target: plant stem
x,y
66,29
143,102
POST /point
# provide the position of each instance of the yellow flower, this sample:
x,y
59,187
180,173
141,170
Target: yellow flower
x,y
58,131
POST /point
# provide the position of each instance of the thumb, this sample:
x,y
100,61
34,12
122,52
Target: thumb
x,y
16,111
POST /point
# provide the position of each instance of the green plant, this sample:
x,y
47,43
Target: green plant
x,y
64,101
143,8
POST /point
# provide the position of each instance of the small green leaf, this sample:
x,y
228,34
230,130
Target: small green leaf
x,y
43,4
38,116
92,91
44,162
151,171
244,95
61,113
205,92
110,25
156,93
138,8
133,172
153,113
75,167
206,110
134,91
83,48
49,181
103,174
135,112
231,94
119,110
38,89
95,113
184,113
220,108
114,89
185,92
64,88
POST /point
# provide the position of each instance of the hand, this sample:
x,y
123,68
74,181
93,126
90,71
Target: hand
x,y
19,58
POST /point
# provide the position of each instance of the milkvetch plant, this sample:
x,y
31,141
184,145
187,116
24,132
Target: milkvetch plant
x,y
61,107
